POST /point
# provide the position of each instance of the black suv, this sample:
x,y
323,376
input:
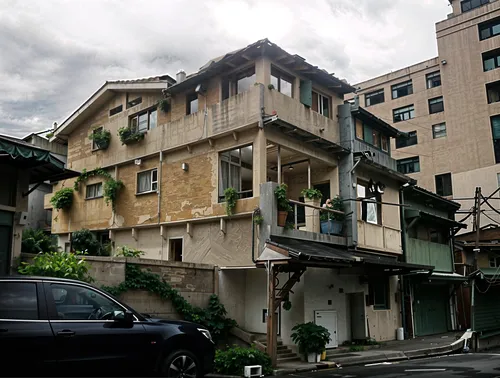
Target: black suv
x,y
55,326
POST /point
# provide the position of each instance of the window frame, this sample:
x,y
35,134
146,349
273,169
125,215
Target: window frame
x,y
96,185
471,8
229,83
241,194
320,105
116,110
141,113
490,87
435,133
496,141
489,26
408,109
436,101
290,79
151,190
386,304
374,94
402,142
442,176
373,132
137,100
429,79
491,54
406,162
170,248
408,84
496,261
190,98
363,205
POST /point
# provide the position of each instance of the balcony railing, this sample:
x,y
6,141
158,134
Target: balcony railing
x,y
313,219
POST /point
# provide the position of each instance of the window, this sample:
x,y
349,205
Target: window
x,y
439,130
95,131
498,179
384,143
436,105
282,82
144,121
94,191
494,261
321,104
176,249
18,300
116,110
374,98
468,5
433,79
402,89
403,114
495,130
408,139
371,211
409,165
236,171
371,136
493,92
489,29
380,294
491,60
147,181
191,103
443,185
240,82
133,101
75,302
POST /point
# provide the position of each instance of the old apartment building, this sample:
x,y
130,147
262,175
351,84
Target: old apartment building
x,y
449,106
252,120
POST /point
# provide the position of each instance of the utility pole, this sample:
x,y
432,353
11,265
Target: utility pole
x,y
477,222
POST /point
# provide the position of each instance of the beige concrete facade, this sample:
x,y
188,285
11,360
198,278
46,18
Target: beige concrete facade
x,y
467,149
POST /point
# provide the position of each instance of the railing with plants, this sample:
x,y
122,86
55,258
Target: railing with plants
x,y
129,135
62,199
101,138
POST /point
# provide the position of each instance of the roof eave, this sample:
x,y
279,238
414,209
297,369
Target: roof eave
x,y
389,130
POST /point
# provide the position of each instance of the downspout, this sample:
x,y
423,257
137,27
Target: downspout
x,y
403,246
159,185
257,210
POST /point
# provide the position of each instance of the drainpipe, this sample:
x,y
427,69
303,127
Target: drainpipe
x,y
403,246
257,210
159,185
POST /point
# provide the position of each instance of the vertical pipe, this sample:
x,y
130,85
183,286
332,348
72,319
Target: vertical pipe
x,y
309,174
472,290
279,165
160,170
295,213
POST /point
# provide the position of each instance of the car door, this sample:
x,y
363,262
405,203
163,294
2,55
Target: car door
x,y
87,339
24,328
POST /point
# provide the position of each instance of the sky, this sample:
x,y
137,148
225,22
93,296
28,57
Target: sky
x,y
55,53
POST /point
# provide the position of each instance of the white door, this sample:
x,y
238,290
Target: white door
x,y
328,319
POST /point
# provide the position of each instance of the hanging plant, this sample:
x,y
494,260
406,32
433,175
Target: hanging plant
x,y
287,305
111,189
231,196
62,199
128,135
258,220
85,175
164,105
101,138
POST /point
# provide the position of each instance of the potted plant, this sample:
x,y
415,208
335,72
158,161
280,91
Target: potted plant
x,y
101,138
283,205
311,339
332,223
128,135
312,194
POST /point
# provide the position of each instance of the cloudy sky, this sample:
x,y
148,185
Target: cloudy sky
x,y
55,53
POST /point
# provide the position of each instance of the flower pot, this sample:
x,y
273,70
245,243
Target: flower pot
x,y
331,227
102,144
311,357
318,357
282,215
323,355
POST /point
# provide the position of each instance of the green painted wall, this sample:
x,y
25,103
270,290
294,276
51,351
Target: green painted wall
x,y
428,253
487,309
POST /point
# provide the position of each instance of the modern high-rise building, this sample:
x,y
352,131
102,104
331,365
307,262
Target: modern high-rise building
x,y
449,106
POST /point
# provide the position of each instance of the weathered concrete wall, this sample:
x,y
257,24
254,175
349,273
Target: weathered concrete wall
x,y
232,286
38,216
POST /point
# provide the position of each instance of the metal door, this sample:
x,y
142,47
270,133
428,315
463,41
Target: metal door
x,y
430,306
358,316
328,319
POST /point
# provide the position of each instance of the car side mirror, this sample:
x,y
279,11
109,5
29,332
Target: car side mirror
x,y
126,317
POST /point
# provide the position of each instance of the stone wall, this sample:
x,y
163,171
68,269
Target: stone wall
x,y
195,282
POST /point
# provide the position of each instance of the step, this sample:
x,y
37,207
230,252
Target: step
x,y
285,351
279,343
289,359
286,355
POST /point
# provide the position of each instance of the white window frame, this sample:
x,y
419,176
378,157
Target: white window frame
x,y
97,193
154,183
94,145
170,256
320,105
232,165
372,208
137,115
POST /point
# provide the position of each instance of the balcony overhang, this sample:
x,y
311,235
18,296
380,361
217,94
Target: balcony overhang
x,y
433,219
385,171
304,136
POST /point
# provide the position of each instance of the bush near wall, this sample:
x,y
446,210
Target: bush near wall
x,y
233,360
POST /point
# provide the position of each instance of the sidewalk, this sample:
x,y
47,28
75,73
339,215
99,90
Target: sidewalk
x,y
386,352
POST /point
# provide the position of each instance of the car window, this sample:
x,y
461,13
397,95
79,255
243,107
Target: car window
x,y
80,303
18,300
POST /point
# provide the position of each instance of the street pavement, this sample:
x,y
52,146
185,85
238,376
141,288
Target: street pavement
x,y
480,365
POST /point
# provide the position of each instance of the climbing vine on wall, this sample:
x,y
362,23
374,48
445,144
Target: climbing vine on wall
x,y
85,175
111,187
213,317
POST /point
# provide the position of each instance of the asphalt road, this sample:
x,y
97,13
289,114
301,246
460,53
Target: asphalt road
x,y
480,365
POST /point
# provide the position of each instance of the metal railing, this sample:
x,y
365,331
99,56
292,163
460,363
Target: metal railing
x,y
296,204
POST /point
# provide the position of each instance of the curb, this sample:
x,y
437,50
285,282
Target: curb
x,y
319,366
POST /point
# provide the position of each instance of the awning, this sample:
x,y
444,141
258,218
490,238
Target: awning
x,y
41,164
314,254
436,219
442,276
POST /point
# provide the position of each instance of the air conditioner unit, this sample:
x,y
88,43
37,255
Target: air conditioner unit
x,y
21,218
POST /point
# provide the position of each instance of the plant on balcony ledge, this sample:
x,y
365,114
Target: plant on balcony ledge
x,y
164,105
230,196
283,205
312,194
128,135
62,199
332,223
270,87
101,138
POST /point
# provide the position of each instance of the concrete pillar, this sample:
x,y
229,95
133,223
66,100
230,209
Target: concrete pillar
x,y
312,216
263,71
259,161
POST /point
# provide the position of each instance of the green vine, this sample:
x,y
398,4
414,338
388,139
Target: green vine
x,y
214,317
111,187
129,135
62,199
164,105
231,196
85,175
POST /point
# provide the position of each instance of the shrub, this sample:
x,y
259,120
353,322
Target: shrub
x,y
233,361
57,264
62,199
230,196
128,135
36,241
84,240
101,138
310,337
333,204
125,251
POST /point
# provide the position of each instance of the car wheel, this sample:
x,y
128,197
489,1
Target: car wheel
x,y
181,364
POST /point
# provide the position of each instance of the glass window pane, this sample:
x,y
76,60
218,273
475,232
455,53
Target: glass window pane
x,y
154,173
326,106
143,122
489,64
99,190
144,182
274,82
245,84
133,123
193,106
286,87
152,119
18,300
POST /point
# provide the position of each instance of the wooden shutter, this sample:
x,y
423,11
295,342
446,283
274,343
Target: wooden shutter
x,y
306,92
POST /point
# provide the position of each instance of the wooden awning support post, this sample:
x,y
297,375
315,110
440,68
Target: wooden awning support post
x,y
272,332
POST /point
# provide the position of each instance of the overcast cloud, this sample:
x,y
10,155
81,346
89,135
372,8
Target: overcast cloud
x,y
55,53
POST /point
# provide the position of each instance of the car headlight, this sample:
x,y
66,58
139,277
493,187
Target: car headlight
x,y
206,333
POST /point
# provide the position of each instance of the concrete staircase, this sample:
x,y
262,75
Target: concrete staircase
x,y
285,354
